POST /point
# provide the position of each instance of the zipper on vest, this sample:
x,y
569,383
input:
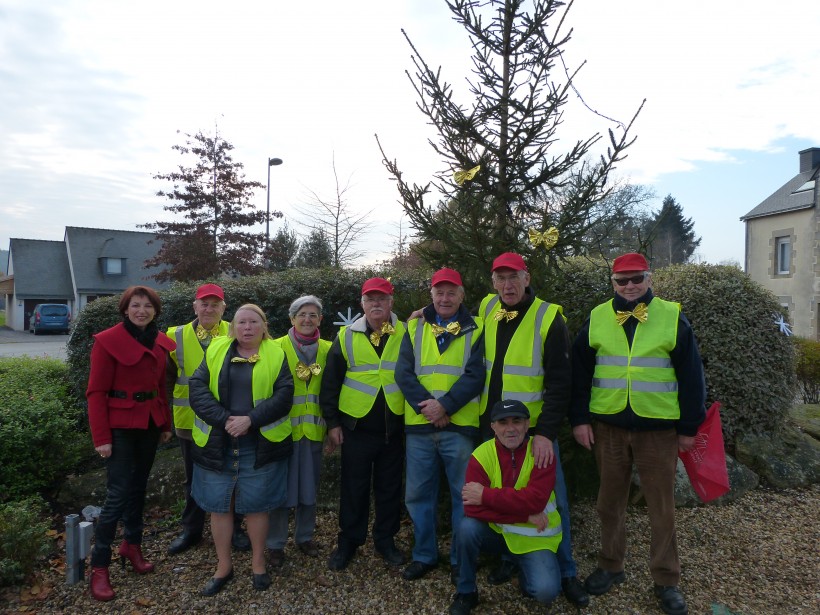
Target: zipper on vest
x,y
512,453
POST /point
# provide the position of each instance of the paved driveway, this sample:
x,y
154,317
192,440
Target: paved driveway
x,y
20,343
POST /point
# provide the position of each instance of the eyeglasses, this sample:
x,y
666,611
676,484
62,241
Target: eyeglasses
x,y
308,315
635,279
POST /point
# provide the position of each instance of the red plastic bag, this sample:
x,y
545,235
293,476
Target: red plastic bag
x,y
705,463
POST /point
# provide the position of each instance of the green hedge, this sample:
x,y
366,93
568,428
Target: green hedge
x,y
749,363
23,538
41,426
339,289
808,370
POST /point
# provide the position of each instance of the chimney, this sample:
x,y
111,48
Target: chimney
x,y
809,159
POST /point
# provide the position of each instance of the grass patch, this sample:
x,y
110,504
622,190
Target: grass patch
x,y
2,318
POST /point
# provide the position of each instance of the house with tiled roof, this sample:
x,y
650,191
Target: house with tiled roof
x,y
783,245
89,263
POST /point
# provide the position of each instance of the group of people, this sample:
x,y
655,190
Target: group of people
x,y
480,397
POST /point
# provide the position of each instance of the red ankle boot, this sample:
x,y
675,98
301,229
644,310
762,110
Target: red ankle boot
x,y
100,585
134,554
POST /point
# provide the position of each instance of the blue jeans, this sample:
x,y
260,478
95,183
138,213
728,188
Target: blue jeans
x,y
539,576
426,452
565,560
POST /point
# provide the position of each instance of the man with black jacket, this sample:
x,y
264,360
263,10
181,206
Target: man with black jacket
x,y
363,408
638,397
527,356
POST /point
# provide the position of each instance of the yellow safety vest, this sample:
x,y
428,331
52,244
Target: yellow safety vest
x,y
305,415
367,372
187,357
438,372
521,537
265,373
642,375
523,371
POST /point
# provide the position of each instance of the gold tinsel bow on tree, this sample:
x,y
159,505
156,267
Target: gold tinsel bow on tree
x,y
453,328
640,312
547,238
304,371
462,176
387,329
251,359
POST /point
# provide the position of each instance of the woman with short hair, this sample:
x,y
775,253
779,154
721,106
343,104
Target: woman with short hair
x,y
129,415
241,395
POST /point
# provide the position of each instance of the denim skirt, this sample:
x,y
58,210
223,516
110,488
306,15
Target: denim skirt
x,y
253,491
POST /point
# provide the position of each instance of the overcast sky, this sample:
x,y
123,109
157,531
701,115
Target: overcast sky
x,y
93,92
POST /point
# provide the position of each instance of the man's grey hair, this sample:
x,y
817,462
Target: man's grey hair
x,y
303,301
520,273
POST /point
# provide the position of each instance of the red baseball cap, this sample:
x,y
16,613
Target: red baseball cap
x,y
510,260
377,285
210,290
630,262
447,275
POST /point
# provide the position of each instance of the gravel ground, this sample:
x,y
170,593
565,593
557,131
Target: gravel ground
x,y
759,555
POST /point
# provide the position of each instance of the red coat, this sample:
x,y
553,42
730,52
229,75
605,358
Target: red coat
x,y
121,363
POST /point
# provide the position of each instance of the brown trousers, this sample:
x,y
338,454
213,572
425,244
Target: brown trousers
x,y
655,455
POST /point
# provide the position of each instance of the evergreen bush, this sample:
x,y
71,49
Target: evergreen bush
x,y
339,289
40,426
808,369
749,362
23,538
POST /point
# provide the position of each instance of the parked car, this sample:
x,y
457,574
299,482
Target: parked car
x,y
50,317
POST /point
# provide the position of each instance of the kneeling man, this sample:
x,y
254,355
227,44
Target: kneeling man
x,y
509,507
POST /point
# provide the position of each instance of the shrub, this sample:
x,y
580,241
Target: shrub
x,y
582,284
23,538
808,369
39,424
749,363
339,289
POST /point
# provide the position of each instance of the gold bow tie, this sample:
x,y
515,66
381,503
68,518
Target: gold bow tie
x,y
251,359
548,238
203,334
304,372
452,328
376,336
507,315
640,312
461,176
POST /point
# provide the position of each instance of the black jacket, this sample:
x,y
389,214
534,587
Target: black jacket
x,y
206,407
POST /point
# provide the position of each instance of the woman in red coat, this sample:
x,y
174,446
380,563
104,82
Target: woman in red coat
x,y
129,415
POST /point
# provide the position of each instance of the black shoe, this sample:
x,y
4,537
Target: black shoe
x,y
276,557
340,558
454,574
215,584
261,581
391,555
574,591
502,573
240,541
464,603
183,542
671,600
416,570
601,581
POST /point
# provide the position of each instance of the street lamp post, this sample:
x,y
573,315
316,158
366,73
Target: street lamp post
x,y
272,162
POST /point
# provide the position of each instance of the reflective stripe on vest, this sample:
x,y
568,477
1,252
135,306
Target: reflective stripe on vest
x,y
264,375
642,376
438,372
521,537
367,373
305,415
522,376
187,356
